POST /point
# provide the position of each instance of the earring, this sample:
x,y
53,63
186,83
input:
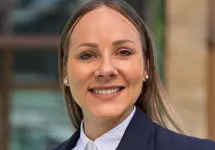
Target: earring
x,y
66,81
147,77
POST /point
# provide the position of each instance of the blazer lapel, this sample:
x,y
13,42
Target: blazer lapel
x,y
70,143
137,133
135,137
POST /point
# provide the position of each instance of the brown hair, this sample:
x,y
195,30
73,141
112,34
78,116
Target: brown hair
x,y
152,100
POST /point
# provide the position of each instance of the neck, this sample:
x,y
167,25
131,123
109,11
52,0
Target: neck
x,y
94,128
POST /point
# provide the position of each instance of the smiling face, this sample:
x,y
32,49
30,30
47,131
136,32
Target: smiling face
x,y
105,65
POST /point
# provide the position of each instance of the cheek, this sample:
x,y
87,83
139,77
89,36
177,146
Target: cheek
x,y
134,75
134,70
135,82
77,73
78,79
135,79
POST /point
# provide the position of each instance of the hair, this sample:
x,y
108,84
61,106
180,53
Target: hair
x,y
153,98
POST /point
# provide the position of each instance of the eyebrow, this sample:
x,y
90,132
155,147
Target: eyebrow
x,y
93,45
118,42
115,43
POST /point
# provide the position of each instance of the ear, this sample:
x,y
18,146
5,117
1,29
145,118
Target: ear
x,y
145,75
65,77
66,81
145,71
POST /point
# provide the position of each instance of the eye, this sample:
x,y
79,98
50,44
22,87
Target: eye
x,y
87,56
125,52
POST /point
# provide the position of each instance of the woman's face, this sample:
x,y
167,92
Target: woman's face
x,y
105,65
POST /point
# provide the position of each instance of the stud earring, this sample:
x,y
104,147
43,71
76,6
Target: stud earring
x,y
147,77
66,81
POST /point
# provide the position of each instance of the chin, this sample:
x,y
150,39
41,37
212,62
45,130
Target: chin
x,y
108,112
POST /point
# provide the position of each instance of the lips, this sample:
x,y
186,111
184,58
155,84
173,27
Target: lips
x,y
106,93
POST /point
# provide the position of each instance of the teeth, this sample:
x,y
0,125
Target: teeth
x,y
106,91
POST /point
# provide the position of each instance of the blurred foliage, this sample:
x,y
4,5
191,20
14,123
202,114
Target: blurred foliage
x,y
157,12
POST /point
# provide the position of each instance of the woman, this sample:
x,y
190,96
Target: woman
x,y
113,94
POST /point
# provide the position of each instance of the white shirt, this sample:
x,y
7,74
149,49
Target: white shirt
x,y
109,140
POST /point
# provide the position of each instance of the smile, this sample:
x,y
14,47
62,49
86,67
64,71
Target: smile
x,y
106,91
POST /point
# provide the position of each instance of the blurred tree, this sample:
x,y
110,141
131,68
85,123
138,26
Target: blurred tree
x,y
157,14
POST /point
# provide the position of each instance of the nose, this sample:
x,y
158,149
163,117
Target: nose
x,y
106,70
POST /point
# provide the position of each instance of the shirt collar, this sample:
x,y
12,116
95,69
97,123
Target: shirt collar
x,y
112,136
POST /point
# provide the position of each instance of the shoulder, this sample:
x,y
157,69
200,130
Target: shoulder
x,y
166,139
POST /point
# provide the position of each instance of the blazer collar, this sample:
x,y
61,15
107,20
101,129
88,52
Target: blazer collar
x,y
135,137
137,133
71,142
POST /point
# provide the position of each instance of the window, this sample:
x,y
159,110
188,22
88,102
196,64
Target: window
x,y
35,66
1,68
41,16
38,119
38,116
2,14
37,112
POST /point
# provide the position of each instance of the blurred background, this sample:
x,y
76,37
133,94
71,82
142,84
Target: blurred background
x,y
32,112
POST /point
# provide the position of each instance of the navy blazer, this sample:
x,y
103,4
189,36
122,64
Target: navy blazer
x,y
143,134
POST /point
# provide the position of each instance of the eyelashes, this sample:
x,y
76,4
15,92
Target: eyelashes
x,y
124,52
90,55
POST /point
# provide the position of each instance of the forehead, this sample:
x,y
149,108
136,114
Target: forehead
x,y
105,23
